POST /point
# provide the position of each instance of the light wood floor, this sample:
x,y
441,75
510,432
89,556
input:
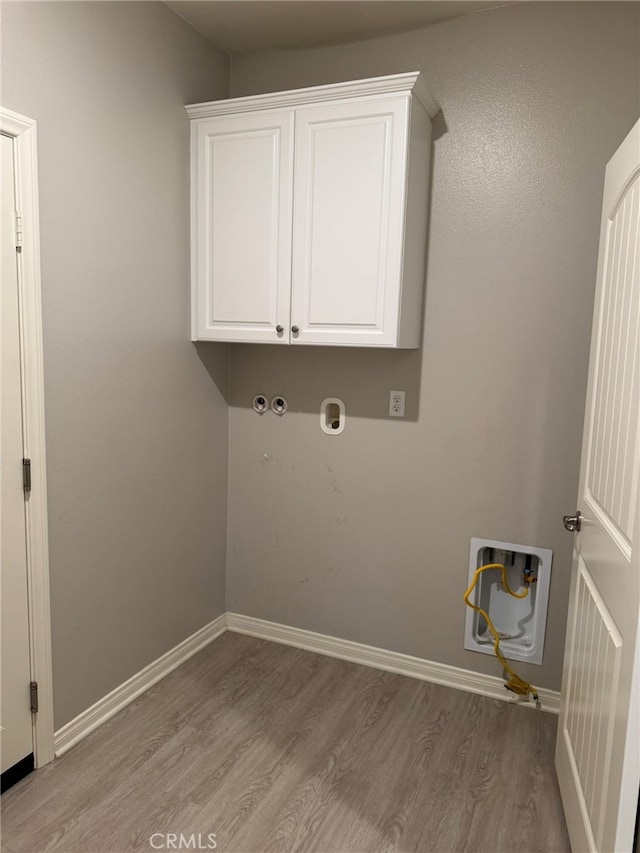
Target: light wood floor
x,y
276,749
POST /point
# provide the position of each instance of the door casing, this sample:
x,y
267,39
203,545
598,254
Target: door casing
x,y
23,132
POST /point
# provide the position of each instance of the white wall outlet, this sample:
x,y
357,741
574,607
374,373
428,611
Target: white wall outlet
x,y
396,404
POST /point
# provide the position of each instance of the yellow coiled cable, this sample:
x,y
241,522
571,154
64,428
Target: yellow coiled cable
x,y
515,683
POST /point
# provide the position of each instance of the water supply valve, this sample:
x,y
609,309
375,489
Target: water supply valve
x,y
260,403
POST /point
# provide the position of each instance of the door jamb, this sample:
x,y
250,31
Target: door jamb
x,y
23,132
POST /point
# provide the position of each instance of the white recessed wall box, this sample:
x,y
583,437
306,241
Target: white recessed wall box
x,y
309,214
520,622
332,416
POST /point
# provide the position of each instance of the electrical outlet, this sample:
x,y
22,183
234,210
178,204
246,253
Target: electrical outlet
x,y
396,404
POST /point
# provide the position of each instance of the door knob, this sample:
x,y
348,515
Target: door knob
x,y
279,329
295,330
572,523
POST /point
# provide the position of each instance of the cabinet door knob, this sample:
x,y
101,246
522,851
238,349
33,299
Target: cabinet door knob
x,y
279,329
295,330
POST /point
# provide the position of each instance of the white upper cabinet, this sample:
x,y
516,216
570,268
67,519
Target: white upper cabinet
x,y
309,214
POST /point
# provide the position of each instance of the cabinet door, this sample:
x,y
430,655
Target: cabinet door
x,y
241,221
349,187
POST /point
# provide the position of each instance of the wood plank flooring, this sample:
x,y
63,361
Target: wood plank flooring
x,y
276,749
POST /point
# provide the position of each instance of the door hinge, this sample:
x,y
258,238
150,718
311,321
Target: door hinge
x,y
26,475
33,689
18,229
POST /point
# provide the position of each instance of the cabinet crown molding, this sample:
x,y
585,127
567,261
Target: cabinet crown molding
x,y
309,215
407,83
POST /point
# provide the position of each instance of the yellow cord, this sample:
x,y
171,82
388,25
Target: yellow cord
x,y
515,683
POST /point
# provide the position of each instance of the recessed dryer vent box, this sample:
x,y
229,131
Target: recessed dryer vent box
x,y
520,622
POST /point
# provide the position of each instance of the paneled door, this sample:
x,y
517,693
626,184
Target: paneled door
x,y
597,753
241,221
16,737
348,227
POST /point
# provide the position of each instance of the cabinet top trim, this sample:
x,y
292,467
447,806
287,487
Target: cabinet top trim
x,y
409,83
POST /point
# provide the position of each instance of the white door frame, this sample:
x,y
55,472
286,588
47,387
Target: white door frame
x,y
23,132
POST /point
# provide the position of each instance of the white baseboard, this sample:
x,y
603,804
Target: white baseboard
x,y
438,673
425,670
105,708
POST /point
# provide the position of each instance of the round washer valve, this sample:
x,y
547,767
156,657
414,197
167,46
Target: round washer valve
x,y
279,405
260,403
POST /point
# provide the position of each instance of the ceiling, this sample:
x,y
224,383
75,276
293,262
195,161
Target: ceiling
x,y
243,26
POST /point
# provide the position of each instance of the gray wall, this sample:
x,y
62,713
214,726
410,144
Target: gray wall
x,y
136,421
366,536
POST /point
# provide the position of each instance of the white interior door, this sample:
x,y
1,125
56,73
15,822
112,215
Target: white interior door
x,y
16,736
597,754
